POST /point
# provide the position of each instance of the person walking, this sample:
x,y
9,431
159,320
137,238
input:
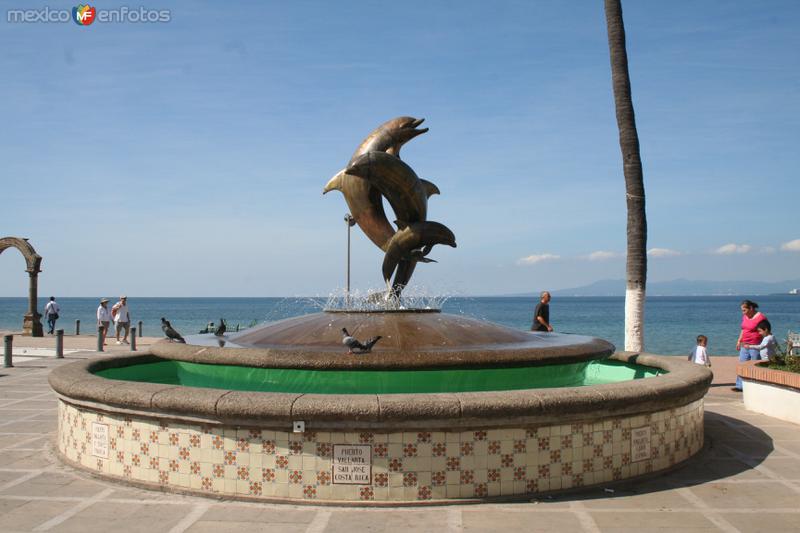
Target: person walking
x,y
122,319
751,318
51,312
103,318
541,316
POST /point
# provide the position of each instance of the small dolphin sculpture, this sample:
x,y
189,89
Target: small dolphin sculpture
x,y
412,243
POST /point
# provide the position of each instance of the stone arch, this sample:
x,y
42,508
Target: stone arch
x,y
31,323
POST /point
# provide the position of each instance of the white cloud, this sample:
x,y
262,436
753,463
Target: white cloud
x,y
602,255
791,246
767,250
662,252
537,258
732,248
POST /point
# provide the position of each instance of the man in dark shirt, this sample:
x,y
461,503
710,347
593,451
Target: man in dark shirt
x,y
541,317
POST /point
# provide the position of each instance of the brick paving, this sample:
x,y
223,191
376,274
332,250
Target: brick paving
x,y
746,479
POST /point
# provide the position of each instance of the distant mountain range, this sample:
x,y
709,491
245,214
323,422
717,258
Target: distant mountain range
x,y
682,287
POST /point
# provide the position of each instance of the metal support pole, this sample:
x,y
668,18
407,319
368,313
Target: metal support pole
x,y
8,344
77,327
60,344
99,338
133,339
141,330
350,222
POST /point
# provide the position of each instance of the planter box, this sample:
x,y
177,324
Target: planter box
x,y
775,393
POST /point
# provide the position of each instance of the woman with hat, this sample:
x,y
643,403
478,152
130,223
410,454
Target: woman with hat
x,y
103,318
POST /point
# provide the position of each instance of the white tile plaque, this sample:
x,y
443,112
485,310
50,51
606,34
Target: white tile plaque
x,y
640,444
100,440
352,464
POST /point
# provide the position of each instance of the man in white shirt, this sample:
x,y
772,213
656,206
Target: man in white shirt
x,y
122,318
51,311
103,318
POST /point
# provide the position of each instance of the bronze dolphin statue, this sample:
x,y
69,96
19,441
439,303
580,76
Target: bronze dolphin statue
x,y
390,136
406,193
411,243
363,200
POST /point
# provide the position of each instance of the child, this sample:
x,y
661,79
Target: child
x,y
768,344
699,355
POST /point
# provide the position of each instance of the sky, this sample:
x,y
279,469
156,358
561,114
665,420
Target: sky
x,y
188,157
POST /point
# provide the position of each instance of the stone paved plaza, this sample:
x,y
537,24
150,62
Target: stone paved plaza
x,y
746,479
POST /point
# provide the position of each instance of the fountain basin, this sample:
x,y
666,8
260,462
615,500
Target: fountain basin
x,y
419,381
416,448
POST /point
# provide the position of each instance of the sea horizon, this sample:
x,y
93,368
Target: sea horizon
x,y
671,322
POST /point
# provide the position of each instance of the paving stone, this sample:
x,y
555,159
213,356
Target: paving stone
x,y
24,459
50,484
664,500
786,467
757,495
758,522
205,526
271,514
130,518
651,521
29,514
488,520
400,520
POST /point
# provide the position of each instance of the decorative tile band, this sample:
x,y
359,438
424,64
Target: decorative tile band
x,y
377,466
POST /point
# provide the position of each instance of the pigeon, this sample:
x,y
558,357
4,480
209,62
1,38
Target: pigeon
x,y
220,331
354,344
171,334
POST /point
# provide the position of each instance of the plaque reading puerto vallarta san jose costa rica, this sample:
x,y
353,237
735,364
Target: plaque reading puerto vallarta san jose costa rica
x,y
640,444
100,440
352,464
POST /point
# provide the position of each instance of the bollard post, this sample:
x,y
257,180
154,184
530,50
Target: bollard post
x,y
60,344
141,329
133,339
78,327
8,343
99,338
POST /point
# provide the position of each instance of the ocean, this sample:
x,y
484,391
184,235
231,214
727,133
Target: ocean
x,y
671,323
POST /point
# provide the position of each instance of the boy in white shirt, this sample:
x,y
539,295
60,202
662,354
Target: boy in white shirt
x,y
700,355
767,348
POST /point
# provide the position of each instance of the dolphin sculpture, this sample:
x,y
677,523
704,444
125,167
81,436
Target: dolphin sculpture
x,y
363,200
376,171
395,180
412,243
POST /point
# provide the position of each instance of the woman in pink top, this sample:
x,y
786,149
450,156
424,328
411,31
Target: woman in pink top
x,y
749,335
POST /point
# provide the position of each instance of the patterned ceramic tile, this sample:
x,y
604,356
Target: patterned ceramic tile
x,y
421,465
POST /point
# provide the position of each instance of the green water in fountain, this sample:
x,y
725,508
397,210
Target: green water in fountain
x,y
244,378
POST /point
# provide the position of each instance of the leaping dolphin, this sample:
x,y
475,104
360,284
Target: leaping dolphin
x,y
395,180
409,244
363,200
390,136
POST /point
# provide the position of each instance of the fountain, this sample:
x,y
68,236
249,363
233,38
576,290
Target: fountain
x,y
443,408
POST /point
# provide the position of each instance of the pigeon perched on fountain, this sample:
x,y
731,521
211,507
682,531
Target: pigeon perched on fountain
x,y
354,344
220,331
171,334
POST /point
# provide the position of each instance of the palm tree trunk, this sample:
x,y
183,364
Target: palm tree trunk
x,y
636,264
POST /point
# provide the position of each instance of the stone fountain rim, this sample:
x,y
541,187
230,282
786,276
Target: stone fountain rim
x,y
684,383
